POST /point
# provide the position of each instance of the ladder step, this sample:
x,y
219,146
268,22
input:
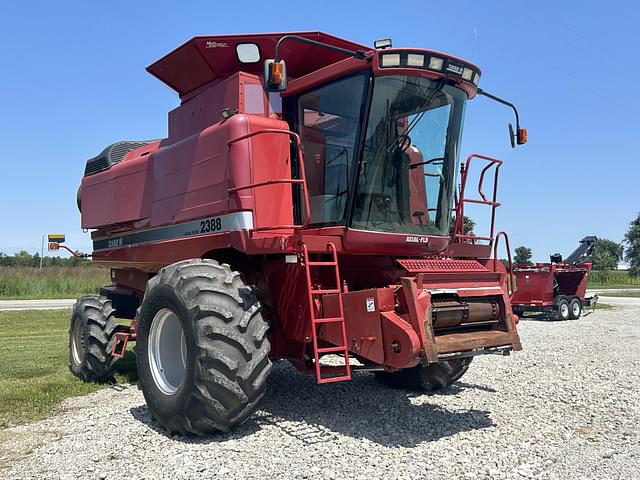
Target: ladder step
x,y
332,349
323,292
328,320
322,264
334,379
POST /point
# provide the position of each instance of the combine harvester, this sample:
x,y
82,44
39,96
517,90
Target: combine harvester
x,y
295,210
557,290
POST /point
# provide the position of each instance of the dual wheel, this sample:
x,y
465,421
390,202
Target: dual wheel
x,y
569,309
201,349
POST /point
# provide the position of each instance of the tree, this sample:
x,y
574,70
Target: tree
x,y
23,259
632,253
469,224
523,255
606,254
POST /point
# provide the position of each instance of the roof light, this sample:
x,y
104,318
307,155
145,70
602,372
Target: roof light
x,y
391,60
467,74
248,52
476,79
383,43
436,63
415,60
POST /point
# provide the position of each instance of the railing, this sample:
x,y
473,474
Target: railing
x,y
495,257
292,181
459,236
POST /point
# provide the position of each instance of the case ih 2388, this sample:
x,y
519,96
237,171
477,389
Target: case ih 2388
x,y
294,211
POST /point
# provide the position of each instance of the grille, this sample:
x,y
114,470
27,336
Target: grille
x,y
438,265
111,155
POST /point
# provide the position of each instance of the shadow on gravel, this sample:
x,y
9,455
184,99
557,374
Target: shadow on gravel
x,y
361,409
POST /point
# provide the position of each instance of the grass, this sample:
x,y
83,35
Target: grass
x,y
622,293
613,286
17,283
34,372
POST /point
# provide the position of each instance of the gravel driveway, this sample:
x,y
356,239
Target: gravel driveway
x,y
567,407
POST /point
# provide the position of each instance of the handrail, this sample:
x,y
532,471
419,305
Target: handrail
x,y
458,231
495,255
294,181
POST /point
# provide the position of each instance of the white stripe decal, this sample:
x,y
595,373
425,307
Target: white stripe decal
x,y
203,226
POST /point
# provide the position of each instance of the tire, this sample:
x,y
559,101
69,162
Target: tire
x,y
575,309
91,335
214,377
430,378
564,312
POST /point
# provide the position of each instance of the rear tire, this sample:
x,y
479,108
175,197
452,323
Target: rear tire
x,y
575,309
564,312
430,378
202,351
91,336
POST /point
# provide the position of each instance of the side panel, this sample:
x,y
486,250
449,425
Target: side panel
x,y
533,287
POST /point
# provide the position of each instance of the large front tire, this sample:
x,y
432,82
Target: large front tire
x,y
201,349
91,336
429,378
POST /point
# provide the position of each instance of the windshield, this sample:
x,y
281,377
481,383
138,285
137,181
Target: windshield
x,y
407,173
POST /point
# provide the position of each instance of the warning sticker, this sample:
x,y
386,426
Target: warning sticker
x,y
371,304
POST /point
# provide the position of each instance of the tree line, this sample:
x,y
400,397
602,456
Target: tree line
x,y
606,253
25,259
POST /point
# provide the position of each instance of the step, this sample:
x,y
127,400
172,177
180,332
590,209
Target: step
x,y
325,291
334,379
322,264
332,349
328,320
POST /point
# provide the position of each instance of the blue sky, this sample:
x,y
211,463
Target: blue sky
x,y
72,80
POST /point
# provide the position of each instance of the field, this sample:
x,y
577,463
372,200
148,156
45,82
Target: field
x,y
50,282
34,373
612,279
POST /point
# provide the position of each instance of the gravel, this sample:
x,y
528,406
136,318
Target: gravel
x,y
566,407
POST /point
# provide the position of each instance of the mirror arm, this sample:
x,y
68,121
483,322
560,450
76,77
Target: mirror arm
x,y
360,54
504,102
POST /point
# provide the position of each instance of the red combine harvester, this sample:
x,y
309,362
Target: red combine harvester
x,y
556,290
295,210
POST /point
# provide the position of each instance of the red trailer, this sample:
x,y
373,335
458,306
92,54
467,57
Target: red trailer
x,y
294,211
556,289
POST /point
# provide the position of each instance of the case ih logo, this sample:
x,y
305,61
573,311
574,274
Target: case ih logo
x,y
417,239
212,44
457,69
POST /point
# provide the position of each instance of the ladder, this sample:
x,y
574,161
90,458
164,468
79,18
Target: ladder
x,y
326,374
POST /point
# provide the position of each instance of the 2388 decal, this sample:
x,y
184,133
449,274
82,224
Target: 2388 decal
x,y
210,225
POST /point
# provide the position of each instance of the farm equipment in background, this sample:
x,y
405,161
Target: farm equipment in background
x,y
557,289
295,210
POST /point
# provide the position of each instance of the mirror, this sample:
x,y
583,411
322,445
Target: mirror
x,y
275,75
512,136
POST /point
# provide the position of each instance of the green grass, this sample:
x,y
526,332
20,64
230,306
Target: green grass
x,y
51,282
622,293
34,372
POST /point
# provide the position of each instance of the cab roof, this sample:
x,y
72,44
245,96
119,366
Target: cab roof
x,y
206,58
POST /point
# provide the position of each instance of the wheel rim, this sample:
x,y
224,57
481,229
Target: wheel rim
x,y
564,310
576,309
167,351
77,342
